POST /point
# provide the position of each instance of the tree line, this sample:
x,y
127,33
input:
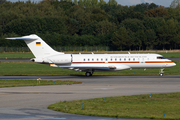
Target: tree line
x,y
92,23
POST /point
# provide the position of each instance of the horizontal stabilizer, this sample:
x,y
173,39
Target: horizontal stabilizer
x,y
30,37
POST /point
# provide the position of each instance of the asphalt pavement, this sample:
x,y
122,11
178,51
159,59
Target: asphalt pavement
x,y
30,103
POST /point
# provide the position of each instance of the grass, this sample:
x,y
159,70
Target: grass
x,y
19,83
170,55
30,55
16,55
32,69
136,106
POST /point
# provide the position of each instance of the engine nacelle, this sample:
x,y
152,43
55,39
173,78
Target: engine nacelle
x,y
122,67
37,60
61,59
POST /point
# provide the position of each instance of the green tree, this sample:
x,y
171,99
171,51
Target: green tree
x,y
152,23
140,39
151,37
133,24
94,3
80,3
157,12
99,28
166,32
69,1
152,6
121,39
2,1
98,15
75,2
112,2
105,27
79,19
102,2
87,3
33,25
6,17
176,41
139,8
175,4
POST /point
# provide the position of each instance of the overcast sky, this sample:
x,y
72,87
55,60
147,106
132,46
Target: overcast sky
x,y
165,3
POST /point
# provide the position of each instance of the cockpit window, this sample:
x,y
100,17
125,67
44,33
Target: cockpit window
x,y
161,58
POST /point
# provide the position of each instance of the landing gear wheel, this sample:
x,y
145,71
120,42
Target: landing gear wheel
x,y
161,74
88,74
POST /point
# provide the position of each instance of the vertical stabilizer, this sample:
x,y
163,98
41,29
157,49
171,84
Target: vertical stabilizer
x,y
37,46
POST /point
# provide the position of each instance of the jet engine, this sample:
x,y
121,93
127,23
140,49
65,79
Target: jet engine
x,y
60,59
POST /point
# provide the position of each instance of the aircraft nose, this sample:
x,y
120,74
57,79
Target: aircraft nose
x,y
172,64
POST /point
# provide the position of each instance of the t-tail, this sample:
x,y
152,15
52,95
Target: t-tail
x,y
40,49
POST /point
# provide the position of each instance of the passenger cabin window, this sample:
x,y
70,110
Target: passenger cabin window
x,y
161,58
115,59
101,59
111,59
88,59
106,59
92,59
120,59
129,59
124,59
84,59
134,59
97,59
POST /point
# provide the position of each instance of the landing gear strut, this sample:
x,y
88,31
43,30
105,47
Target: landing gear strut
x,y
161,72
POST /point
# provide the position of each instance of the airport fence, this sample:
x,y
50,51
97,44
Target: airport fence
x,y
66,48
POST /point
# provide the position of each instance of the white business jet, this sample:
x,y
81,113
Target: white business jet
x,y
90,63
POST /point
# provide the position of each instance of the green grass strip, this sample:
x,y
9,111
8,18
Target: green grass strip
x,y
32,69
19,83
136,106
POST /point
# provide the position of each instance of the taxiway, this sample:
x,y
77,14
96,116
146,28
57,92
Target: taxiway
x,y
18,103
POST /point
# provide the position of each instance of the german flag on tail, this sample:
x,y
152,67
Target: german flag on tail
x,y
38,43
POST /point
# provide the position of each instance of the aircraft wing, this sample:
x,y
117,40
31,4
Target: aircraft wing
x,y
84,68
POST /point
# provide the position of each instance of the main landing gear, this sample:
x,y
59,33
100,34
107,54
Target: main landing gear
x,y
89,74
161,72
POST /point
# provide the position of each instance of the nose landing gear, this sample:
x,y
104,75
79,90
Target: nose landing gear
x,y
161,72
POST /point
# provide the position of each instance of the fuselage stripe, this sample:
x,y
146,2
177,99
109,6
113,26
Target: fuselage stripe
x,y
116,62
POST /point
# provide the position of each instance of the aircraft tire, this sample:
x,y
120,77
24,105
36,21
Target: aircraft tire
x,y
88,74
161,74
